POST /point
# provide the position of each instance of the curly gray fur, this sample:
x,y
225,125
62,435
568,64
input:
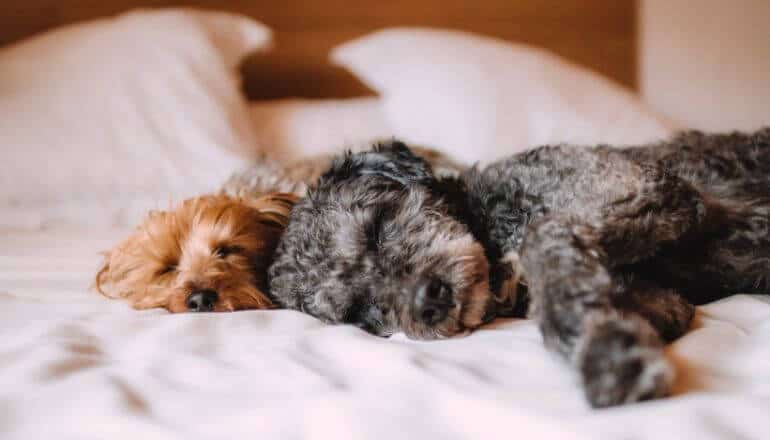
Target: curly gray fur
x,y
607,249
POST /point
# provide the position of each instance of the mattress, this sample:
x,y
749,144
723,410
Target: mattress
x,y
76,365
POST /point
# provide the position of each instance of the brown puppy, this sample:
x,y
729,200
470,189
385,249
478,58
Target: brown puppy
x,y
211,253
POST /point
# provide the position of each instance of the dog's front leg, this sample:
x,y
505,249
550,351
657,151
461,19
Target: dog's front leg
x,y
617,353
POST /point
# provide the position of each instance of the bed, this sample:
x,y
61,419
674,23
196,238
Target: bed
x,y
100,122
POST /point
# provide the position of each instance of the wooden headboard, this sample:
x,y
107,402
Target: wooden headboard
x,y
599,34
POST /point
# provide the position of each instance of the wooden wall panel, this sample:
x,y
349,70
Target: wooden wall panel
x,y
600,34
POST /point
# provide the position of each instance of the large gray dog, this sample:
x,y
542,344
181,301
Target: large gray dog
x,y
607,249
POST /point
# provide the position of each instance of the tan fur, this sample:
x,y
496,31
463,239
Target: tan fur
x,y
175,252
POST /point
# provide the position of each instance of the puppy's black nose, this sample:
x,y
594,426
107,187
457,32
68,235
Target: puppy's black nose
x,y
432,301
202,300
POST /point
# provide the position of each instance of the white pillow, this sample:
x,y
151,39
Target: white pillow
x,y
294,129
145,106
479,98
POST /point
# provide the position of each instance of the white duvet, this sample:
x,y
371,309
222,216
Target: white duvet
x,y
75,365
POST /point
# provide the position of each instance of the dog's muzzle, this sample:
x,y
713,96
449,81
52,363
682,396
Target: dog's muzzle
x,y
201,300
432,302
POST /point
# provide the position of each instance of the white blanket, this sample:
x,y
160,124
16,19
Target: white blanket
x,y
75,365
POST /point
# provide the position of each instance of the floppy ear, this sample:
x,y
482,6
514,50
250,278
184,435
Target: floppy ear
x,y
106,283
392,160
103,276
276,206
117,273
105,280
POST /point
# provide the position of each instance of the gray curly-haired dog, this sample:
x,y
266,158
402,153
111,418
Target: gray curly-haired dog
x,y
607,249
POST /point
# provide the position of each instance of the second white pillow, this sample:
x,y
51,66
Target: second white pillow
x,y
479,99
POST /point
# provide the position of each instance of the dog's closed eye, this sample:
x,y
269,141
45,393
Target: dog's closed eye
x,y
376,231
165,270
224,251
373,235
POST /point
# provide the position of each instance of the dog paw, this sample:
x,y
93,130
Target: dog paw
x,y
615,370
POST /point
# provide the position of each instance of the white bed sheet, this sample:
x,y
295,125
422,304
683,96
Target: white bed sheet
x,y
75,365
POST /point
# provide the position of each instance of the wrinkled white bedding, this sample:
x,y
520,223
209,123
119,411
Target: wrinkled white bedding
x,y
74,365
